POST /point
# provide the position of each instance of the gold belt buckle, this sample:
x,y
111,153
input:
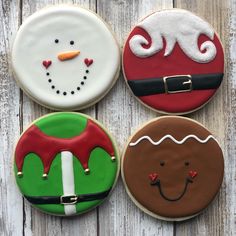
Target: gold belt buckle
x,y
187,79
68,199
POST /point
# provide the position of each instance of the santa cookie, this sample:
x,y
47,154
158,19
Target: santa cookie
x,y
172,168
173,61
65,163
65,57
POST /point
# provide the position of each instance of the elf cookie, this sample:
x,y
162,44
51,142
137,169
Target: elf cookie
x,y
65,163
172,168
173,61
65,57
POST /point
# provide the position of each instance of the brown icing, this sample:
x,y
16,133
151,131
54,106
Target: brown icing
x,y
173,165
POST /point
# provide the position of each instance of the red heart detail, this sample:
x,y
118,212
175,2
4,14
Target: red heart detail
x,y
88,62
192,173
46,64
153,177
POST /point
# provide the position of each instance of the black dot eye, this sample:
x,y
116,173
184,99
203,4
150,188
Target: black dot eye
x,y
186,163
162,163
56,40
72,42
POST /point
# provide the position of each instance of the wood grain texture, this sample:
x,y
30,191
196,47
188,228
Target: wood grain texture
x,y
35,222
11,201
122,115
215,116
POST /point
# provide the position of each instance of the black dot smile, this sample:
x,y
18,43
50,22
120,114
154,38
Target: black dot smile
x,y
65,93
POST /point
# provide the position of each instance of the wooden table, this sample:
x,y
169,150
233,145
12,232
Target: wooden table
x,y
121,114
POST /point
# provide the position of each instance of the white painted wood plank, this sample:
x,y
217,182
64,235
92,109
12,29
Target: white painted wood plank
x,y
216,116
11,208
122,115
38,223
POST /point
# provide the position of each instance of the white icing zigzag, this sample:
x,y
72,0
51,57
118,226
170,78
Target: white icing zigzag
x,y
175,26
168,136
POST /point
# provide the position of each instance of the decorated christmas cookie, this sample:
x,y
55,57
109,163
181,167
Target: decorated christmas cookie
x,y
172,168
65,57
173,61
65,163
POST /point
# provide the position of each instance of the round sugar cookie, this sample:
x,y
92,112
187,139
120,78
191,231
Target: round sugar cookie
x,y
65,57
65,163
173,61
172,168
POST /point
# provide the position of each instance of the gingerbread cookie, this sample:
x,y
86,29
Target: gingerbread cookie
x,y
173,61
65,57
65,163
172,168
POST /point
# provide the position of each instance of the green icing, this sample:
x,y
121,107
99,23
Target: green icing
x,y
102,170
62,125
32,183
101,178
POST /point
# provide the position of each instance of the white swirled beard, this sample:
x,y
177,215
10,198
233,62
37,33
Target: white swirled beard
x,y
175,26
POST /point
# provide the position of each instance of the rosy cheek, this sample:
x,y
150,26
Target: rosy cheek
x,y
153,177
46,63
192,174
88,62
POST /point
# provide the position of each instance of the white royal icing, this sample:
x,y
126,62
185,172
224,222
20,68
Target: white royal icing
x,y
68,180
168,136
175,26
35,43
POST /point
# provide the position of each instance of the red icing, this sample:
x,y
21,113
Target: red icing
x,y
46,64
153,177
46,147
192,173
88,62
177,63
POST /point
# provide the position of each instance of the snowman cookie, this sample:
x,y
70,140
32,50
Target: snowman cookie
x,y
65,163
65,57
173,61
172,168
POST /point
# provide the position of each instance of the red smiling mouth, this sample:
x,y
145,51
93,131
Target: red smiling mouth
x,y
157,182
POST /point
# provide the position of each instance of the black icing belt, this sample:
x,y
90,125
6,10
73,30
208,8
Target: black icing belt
x,y
175,84
67,200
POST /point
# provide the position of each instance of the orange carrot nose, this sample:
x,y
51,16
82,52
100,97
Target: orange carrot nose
x,y
68,55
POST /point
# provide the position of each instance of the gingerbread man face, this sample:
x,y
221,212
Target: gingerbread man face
x,y
173,168
173,61
65,57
